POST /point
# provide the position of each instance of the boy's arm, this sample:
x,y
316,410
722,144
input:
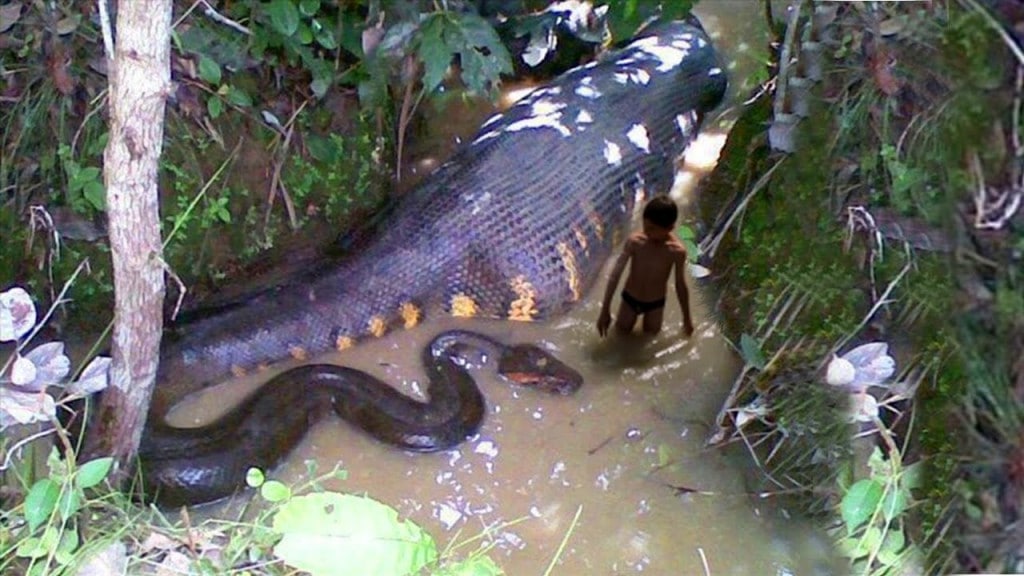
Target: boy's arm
x,y
604,320
682,292
615,276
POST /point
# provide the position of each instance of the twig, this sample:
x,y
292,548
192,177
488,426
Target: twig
x,y
17,445
712,244
565,539
595,449
108,35
882,300
779,106
182,290
218,17
704,561
275,181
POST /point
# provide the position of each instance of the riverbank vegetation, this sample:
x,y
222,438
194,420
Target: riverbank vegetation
x,y
869,251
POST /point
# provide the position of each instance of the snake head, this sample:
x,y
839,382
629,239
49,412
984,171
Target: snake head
x,y
528,365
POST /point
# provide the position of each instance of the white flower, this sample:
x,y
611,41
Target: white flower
x,y
864,366
840,372
863,408
17,314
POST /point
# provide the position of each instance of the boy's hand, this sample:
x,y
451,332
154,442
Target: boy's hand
x,y
603,322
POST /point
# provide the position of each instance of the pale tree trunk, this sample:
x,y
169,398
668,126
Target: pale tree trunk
x,y
139,86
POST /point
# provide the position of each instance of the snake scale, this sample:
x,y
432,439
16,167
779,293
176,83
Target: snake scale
x,y
516,225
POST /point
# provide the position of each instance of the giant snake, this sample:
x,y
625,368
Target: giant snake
x,y
516,225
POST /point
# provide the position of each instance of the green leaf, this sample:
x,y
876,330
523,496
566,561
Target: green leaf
x,y
31,548
239,97
254,477
304,34
65,553
860,503
309,7
894,502
209,70
331,534
625,17
88,174
910,478
324,36
274,491
750,350
284,16
40,502
96,194
214,106
320,85
93,472
892,547
433,52
69,503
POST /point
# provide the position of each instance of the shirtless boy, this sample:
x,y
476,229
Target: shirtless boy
x,y
653,254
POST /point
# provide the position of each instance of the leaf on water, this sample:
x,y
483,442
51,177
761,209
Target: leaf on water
x,y
327,533
750,350
52,366
17,314
94,378
859,503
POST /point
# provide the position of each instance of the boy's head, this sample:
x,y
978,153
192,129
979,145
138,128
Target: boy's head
x,y
662,212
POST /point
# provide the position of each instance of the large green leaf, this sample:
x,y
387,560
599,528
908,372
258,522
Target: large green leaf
x,y
860,503
327,533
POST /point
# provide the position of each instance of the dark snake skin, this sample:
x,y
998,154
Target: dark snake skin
x,y
515,226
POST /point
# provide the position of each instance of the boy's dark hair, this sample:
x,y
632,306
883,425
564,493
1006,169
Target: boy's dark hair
x,y
661,211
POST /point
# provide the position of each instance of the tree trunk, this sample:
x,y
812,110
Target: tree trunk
x,y
139,86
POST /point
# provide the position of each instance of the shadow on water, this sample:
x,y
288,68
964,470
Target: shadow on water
x,y
627,450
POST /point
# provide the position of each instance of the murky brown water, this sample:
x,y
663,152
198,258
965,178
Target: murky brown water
x,y
612,451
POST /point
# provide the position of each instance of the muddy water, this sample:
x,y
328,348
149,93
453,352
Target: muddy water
x,y
611,454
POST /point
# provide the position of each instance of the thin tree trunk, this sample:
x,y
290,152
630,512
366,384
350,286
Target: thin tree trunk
x,y
139,85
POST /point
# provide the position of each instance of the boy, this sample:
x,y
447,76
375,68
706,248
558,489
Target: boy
x,y
653,254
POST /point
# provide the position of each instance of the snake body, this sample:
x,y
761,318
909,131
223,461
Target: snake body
x,y
515,226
